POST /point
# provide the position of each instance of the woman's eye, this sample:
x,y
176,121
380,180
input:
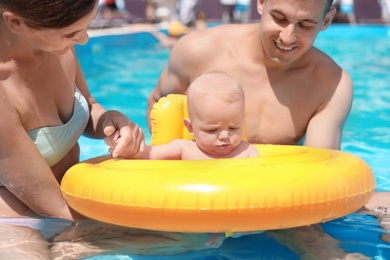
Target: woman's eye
x,y
70,36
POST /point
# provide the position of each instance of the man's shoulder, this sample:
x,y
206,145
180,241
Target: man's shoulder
x,y
326,74
208,42
320,62
217,34
322,58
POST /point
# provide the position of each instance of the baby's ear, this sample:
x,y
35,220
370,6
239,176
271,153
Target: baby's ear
x,y
187,123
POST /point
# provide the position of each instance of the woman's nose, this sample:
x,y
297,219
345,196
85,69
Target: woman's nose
x,y
81,37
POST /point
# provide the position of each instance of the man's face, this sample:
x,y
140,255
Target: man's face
x,y
289,27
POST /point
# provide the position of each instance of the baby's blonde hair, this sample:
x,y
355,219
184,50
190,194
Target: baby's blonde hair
x,y
217,85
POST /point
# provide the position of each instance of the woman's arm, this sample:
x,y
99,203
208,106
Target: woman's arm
x,y
128,136
24,172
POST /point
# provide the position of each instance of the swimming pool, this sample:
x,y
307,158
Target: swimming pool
x,y
122,70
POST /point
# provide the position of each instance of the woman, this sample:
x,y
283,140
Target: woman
x,y
45,105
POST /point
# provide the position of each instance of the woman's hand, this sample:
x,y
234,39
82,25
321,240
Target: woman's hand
x,y
125,138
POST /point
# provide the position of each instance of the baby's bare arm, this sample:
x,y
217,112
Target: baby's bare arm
x,y
169,151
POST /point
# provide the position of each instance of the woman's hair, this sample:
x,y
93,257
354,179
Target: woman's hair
x,y
49,13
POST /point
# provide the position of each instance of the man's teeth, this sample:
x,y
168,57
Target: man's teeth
x,y
284,48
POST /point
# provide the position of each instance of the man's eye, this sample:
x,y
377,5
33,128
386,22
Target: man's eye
x,y
279,19
306,25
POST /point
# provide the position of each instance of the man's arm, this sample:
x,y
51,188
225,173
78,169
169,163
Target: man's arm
x,y
185,63
326,126
168,83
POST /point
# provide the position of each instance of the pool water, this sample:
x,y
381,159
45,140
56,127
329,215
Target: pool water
x,y
364,52
122,70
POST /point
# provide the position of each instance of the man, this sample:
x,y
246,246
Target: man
x,y
294,92
292,89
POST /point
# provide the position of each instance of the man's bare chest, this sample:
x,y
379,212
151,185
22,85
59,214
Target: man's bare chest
x,y
277,118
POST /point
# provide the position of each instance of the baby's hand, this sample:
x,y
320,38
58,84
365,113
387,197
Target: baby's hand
x,y
113,140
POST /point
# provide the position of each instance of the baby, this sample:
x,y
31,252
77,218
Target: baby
x,y
216,108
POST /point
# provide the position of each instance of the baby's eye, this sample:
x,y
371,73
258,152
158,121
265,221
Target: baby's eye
x,y
234,129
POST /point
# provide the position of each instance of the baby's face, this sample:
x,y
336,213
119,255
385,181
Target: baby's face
x,y
218,127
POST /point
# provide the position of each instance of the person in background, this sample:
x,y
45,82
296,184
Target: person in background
x,y
201,20
385,10
46,105
228,7
294,93
187,11
344,12
110,9
174,32
150,9
242,11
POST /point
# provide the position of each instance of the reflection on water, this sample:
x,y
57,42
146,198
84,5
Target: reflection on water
x,y
121,78
28,242
89,238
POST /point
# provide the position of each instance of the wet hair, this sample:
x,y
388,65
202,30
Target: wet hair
x,y
328,4
49,13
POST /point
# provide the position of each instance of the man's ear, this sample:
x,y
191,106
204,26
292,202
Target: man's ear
x,y
328,18
14,22
260,6
187,123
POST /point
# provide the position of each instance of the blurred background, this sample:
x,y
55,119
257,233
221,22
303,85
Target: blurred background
x,y
114,13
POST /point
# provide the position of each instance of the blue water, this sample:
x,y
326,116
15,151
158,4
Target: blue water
x,y
364,52
122,70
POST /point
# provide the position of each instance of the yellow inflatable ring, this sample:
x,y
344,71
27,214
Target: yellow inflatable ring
x,y
287,186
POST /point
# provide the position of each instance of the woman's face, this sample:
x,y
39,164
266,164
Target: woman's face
x,y
59,41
